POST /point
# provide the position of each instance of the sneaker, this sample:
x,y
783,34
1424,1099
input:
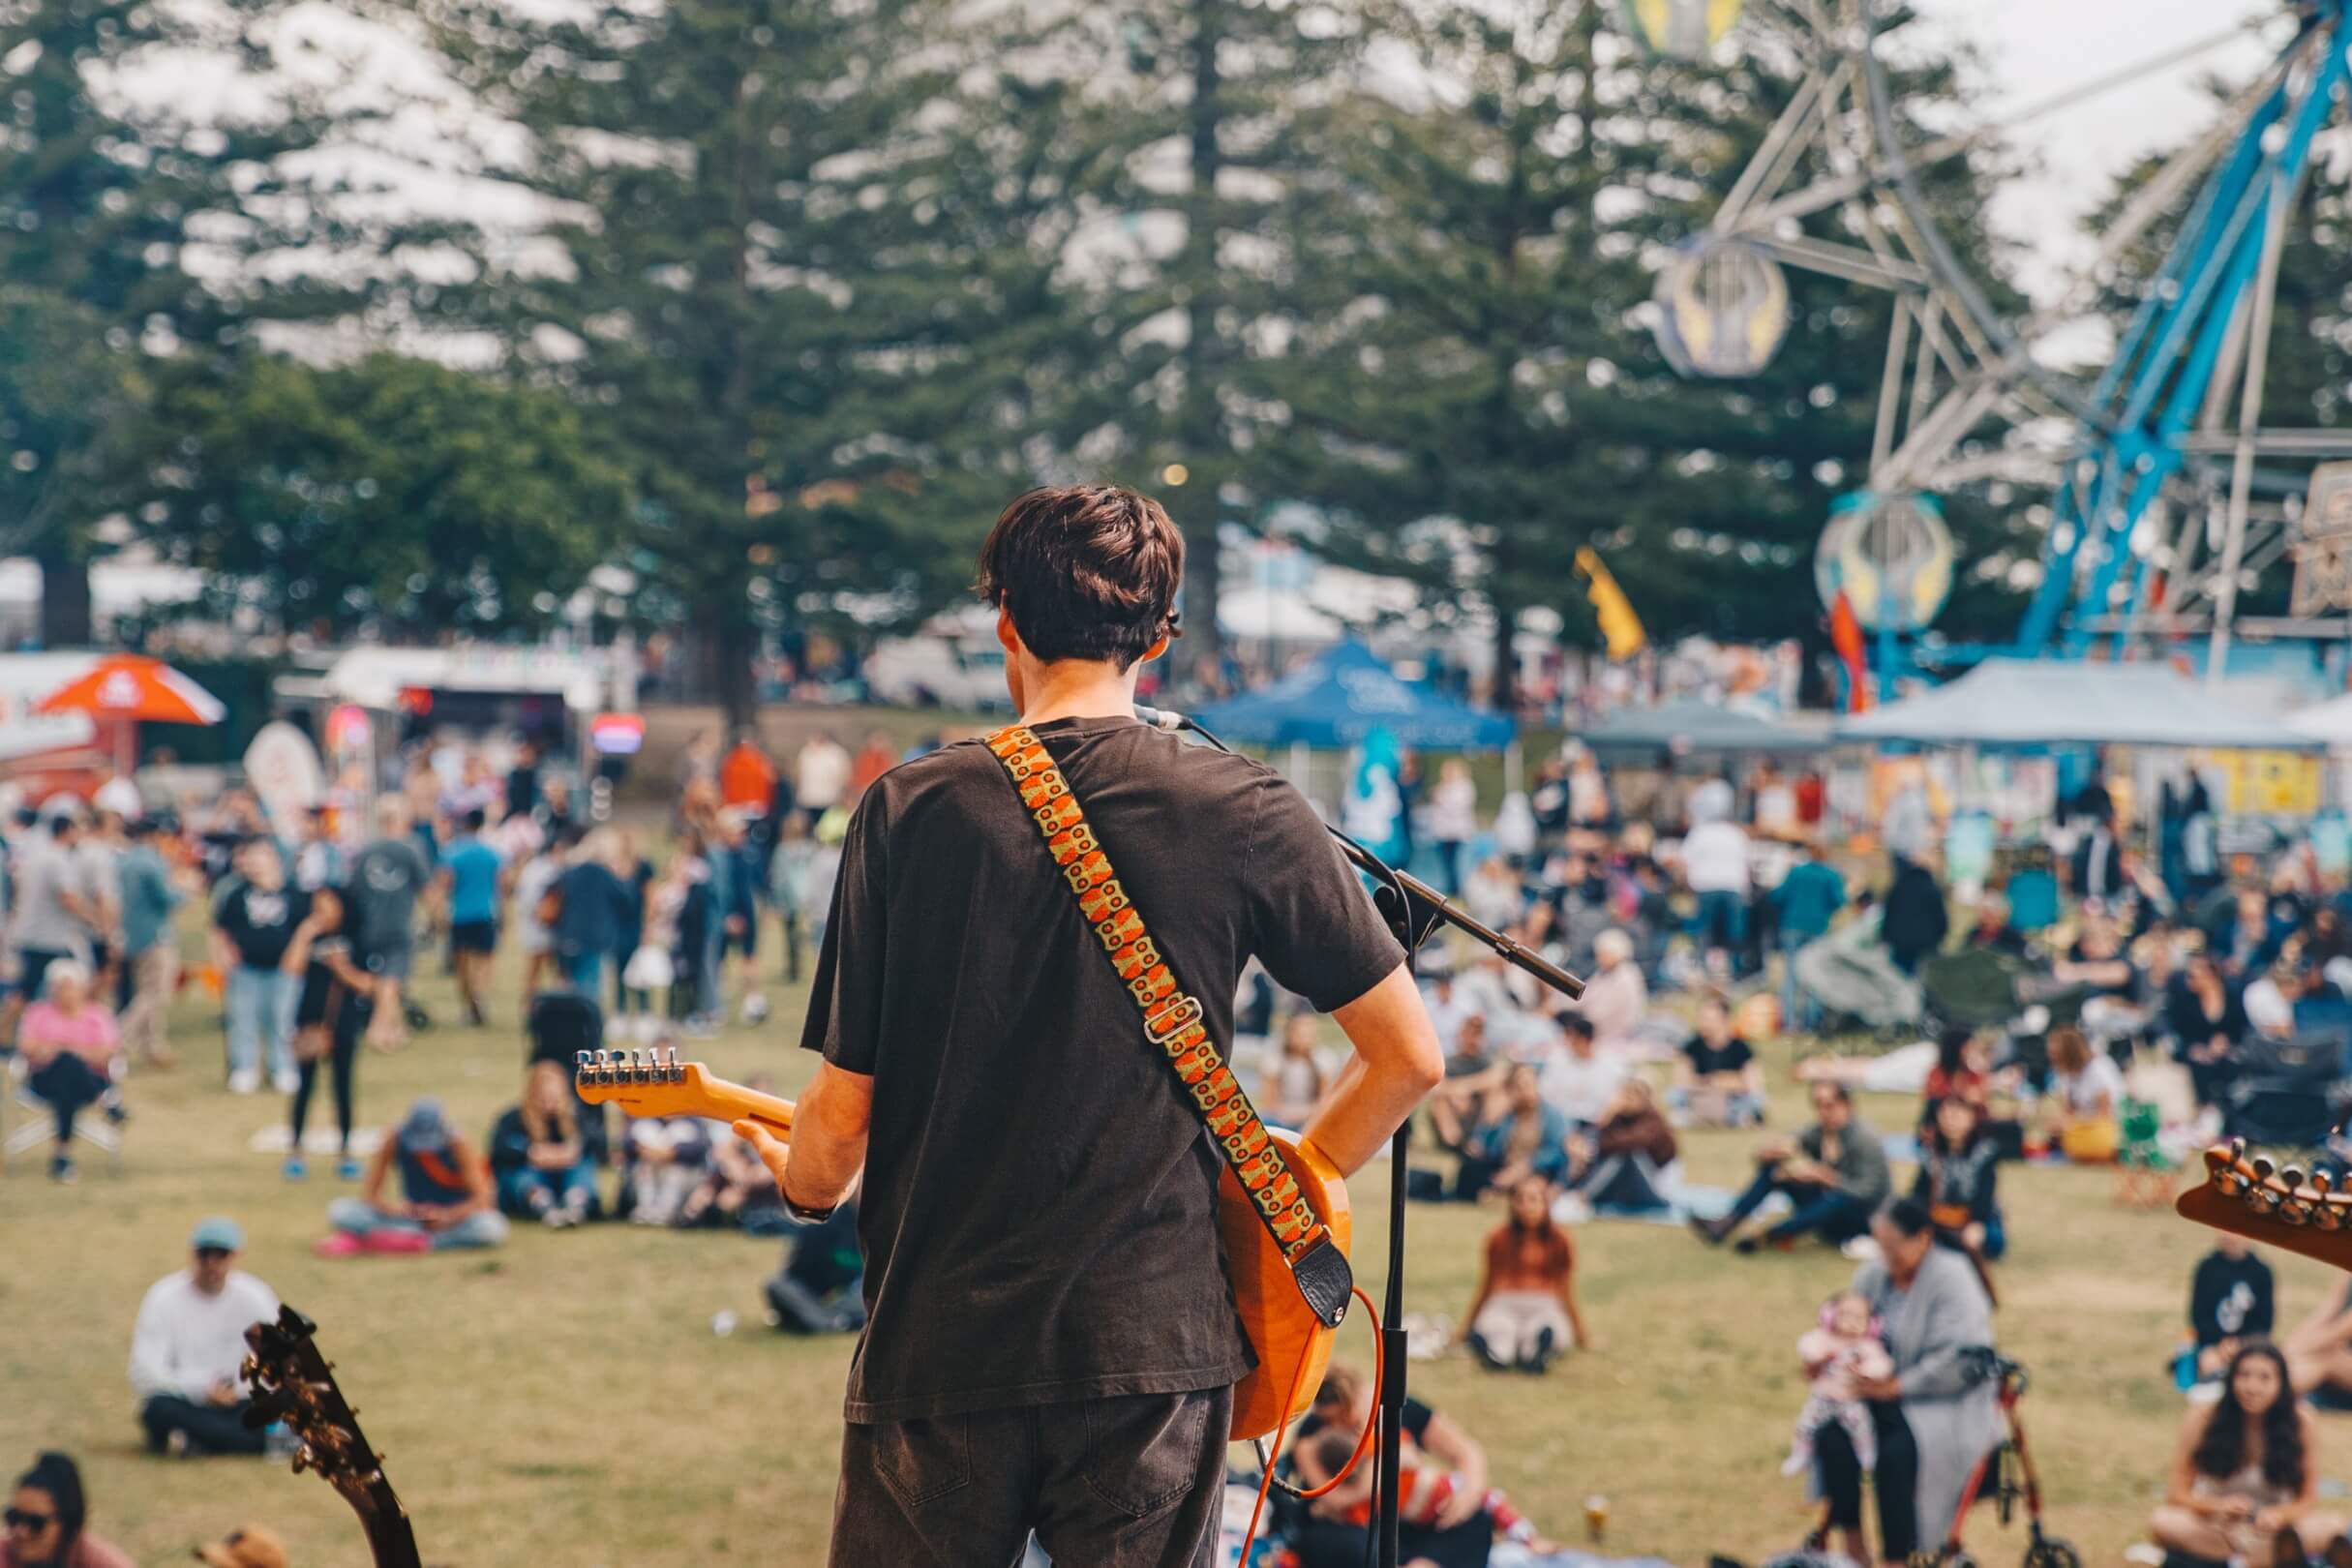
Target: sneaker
x,y
397,1241
346,1169
557,1219
244,1081
342,1244
62,1171
294,1169
1709,1231
1746,1246
116,1112
1860,1249
175,1444
755,1008
286,1081
1484,1352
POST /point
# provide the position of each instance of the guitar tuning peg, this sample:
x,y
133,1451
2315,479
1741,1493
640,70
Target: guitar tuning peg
x,y
2236,1148
2264,1170
2322,1181
2291,1178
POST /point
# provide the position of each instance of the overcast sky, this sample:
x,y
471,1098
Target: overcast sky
x,y
2037,49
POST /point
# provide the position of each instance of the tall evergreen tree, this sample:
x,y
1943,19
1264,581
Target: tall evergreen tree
x,y
102,204
797,260
1509,406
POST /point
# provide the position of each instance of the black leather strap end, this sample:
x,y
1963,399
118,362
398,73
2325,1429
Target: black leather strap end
x,y
1325,1281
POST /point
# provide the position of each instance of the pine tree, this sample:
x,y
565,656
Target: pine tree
x,y
100,206
795,260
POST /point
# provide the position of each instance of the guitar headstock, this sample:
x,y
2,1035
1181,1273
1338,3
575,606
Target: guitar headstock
x,y
2281,1206
293,1383
647,1082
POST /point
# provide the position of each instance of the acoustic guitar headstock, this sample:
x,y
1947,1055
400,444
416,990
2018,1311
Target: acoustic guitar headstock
x,y
645,1082
293,1383
2277,1205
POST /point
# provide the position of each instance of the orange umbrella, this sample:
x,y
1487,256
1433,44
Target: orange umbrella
x,y
136,687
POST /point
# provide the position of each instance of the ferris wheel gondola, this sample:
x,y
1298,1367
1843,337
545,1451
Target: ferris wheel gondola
x,y
2168,491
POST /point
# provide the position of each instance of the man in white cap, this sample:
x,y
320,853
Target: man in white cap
x,y
187,1351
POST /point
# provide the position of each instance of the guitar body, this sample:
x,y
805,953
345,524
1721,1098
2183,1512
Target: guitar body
x,y
1282,1328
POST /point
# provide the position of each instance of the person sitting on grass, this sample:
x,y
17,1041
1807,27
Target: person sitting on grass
x,y
70,1044
821,1288
1835,1174
737,1191
1958,1160
1622,1165
445,1202
1527,1137
1461,1535
2086,1098
187,1351
1424,1492
540,1155
664,1160
1718,1081
1526,1309
2233,1298
2245,1473
47,1522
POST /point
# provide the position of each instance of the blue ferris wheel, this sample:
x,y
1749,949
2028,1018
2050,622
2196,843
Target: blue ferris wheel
x,y
2170,493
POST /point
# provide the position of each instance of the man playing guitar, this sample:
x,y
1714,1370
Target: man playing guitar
x,y
1052,1341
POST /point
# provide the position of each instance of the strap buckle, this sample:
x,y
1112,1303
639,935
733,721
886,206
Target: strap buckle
x,y
1325,1281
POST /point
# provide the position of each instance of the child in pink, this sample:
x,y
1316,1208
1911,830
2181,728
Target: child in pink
x,y
1841,1352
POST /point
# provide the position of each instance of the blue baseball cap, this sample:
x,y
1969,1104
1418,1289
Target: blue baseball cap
x,y
216,1235
426,1126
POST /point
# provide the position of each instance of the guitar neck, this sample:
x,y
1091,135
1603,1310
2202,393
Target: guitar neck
x,y
726,1101
392,1539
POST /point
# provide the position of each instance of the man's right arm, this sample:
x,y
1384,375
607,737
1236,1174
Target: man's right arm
x,y
1397,1062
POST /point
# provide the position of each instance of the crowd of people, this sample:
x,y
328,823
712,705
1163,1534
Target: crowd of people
x,y
1706,923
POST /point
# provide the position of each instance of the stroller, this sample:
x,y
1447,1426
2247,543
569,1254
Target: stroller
x,y
2006,1475
1849,974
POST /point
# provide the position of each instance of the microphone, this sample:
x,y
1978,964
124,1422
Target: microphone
x,y
1162,718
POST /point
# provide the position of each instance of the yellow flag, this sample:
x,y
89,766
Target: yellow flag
x,y
1610,606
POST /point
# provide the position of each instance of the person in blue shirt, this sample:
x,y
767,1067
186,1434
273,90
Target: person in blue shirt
x,y
470,875
1807,899
1529,1138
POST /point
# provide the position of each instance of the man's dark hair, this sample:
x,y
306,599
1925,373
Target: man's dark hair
x,y
476,820
1576,1023
1908,1216
1844,1094
1086,572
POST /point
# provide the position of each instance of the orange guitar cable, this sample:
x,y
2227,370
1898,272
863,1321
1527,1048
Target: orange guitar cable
x,y
1298,1382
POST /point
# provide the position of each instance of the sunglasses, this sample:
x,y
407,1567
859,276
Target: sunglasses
x,y
212,1254
18,1519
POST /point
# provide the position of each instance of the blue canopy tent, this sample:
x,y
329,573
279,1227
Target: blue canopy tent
x,y
1341,696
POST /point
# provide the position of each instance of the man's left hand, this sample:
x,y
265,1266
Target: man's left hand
x,y
1878,1388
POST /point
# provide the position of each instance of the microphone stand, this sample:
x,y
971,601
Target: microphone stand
x,y
1414,910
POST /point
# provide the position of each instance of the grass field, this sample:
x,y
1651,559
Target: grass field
x,y
566,1401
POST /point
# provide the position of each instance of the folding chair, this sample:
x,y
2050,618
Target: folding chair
x,y
94,1127
2143,1175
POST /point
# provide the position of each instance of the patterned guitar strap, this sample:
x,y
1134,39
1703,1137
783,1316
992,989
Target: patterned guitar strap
x,y
1174,1024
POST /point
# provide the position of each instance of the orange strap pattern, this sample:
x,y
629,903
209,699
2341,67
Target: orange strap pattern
x,y
1172,1019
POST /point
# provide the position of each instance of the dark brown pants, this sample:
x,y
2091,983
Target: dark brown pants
x,y
1130,1482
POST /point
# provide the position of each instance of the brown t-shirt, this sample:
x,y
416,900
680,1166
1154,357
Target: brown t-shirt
x,y
1039,1209
1516,1260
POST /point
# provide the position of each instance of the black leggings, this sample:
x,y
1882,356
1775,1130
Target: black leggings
x,y
343,1055
1897,1481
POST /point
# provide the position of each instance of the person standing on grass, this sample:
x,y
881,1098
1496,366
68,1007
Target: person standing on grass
x,y
47,1522
821,776
254,923
151,950
330,1010
187,1351
381,904
50,908
470,876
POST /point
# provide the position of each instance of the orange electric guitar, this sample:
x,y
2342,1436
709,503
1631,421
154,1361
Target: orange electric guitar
x,y
2277,1205
1283,1329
